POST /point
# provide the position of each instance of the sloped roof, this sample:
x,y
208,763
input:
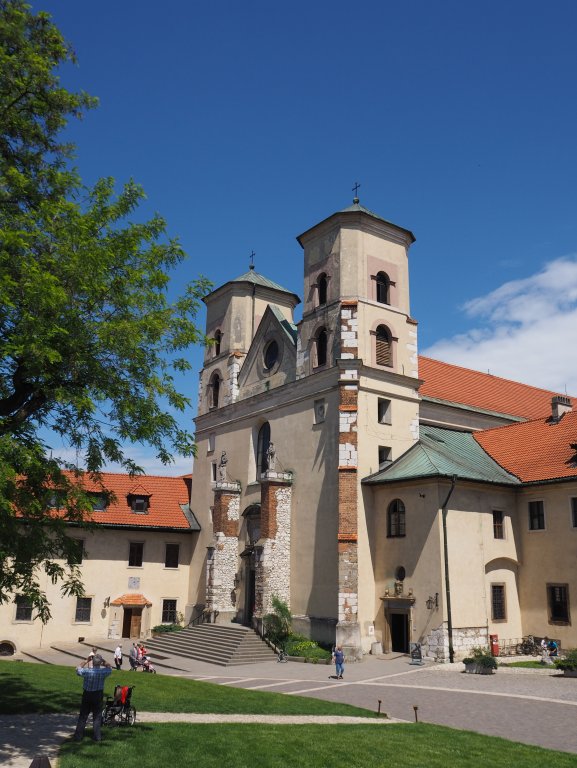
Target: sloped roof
x,y
289,328
535,451
454,384
443,453
252,276
167,496
356,207
130,598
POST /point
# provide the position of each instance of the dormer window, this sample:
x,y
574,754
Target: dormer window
x,y
98,501
139,504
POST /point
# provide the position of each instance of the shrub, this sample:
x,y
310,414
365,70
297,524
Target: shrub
x,y
482,657
300,646
277,625
163,628
569,661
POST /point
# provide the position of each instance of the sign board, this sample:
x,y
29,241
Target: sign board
x,y
416,653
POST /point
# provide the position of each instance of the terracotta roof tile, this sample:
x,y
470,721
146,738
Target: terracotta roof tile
x,y
131,599
166,494
452,383
534,450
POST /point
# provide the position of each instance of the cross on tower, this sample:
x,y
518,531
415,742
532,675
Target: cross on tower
x,y
252,255
355,190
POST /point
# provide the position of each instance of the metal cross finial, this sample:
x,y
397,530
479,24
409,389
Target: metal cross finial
x,y
355,190
252,255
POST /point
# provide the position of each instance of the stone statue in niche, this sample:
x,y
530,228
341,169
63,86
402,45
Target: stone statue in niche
x,y
398,588
270,457
222,467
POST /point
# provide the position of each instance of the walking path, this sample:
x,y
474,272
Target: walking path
x,y
532,706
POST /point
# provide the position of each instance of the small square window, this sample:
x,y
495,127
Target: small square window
x,y
384,411
498,605
98,501
171,555
498,530
135,554
83,608
536,516
213,471
23,608
169,612
139,505
574,512
320,411
384,456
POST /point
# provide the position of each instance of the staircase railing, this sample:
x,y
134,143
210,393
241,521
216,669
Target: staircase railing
x,y
203,615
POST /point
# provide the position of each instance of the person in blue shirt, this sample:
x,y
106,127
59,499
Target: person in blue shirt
x,y
339,659
93,679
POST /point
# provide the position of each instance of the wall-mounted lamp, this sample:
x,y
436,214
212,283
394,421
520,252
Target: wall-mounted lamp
x,y
107,602
432,602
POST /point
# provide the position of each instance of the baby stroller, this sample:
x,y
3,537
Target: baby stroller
x,y
118,709
146,665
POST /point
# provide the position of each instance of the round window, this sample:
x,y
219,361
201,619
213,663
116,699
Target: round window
x,y
400,573
270,354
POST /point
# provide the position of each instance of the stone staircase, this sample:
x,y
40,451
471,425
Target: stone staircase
x,y
222,644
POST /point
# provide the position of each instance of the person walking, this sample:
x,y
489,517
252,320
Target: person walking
x,y
133,657
93,679
118,656
339,659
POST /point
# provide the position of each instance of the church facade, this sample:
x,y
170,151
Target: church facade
x,y
363,484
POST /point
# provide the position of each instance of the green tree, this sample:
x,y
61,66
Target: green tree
x,y
89,338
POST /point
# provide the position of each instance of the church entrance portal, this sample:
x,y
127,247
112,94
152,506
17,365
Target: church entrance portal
x,y
250,594
399,625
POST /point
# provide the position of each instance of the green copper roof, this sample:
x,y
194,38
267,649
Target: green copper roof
x,y
356,207
289,328
252,276
444,453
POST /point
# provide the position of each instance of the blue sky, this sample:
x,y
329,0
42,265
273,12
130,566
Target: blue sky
x,y
247,123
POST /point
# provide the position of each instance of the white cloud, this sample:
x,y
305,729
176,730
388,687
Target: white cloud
x,y
526,330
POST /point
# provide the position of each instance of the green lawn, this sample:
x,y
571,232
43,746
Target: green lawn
x,y
39,688
300,746
49,688
527,665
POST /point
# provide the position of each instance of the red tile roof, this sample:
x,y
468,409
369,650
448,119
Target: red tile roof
x,y
166,494
452,383
534,450
131,599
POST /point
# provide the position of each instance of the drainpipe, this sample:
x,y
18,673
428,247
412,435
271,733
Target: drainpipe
x,y
447,582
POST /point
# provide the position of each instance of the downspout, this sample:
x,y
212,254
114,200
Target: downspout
x,y
447,582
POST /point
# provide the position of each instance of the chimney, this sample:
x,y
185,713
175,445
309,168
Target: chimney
x,y
560,405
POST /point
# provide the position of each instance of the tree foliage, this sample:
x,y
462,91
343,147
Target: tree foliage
x,y
89,337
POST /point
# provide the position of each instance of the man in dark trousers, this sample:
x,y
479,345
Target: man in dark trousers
x,y
92,694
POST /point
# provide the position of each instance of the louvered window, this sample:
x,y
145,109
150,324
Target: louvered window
x,y
384,346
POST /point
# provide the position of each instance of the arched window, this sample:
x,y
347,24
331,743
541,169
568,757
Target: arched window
x,y
384,346
214,390
383,288
322,344
322,289
396,519
217,341
262,445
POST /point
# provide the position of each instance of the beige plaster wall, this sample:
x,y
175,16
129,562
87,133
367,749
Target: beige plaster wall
x,y
548,557
106,574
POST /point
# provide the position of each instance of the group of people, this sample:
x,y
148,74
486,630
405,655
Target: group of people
x,y
138,657
549,649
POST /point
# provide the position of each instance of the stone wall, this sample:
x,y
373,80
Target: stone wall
x,y
273,564
436,643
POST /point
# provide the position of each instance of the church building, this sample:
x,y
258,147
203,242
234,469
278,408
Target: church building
x,y
388,498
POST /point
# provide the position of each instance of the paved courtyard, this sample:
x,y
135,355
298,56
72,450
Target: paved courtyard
x,y
535,707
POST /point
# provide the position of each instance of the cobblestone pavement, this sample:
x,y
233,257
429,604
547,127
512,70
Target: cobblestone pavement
x,y
535,707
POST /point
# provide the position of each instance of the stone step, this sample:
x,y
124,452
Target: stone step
x,y
213,643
